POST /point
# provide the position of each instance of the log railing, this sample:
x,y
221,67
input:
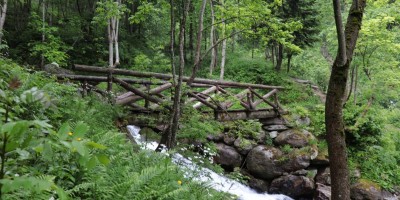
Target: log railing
x,y
256,100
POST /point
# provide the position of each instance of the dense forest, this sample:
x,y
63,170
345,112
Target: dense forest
x,y
339,65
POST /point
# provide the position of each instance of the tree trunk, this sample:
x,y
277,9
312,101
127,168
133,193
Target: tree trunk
x,y
170,137
3,13
289,58
43,31
113,32
212,40
279,58
336,92
223,53
197,60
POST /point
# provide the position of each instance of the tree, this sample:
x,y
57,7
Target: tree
x,y
3,13
336,96
169,136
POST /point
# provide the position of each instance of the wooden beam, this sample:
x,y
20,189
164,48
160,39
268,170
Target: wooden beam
x,y
136,91
239,97
207,91
199,104
202,100
245,114
265,97
104,79
127,99
262,98
115,71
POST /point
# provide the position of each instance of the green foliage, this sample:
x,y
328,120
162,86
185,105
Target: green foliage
x,y
244,128
196,126
87,158
238,176
53,48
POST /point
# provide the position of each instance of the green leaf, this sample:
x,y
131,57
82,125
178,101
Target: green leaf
x,y
11,146
91,163
95,145
80,130
103,159
79,147
63,131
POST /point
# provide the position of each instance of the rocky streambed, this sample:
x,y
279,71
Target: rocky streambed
x,y
284,160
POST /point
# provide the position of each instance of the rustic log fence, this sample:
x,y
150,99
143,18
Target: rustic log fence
x,y
256,101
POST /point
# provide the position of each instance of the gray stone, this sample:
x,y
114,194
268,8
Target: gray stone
x,y
244,145
259,185
273,134
322,192
302,121
275,128
294,161
293,186
216,138
229,140
262,162
365,190
294,138
227,156
323,176
274,121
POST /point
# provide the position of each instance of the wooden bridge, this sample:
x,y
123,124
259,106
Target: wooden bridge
x,y
146,92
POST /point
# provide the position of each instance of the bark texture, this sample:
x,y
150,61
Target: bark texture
x,y
3,13
335,98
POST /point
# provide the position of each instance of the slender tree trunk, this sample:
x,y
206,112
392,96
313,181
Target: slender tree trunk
x,y
273,54
176,111
279,58
3,13
43,31
197,60
355,84
113,32
223,52
212,40
335,96
289,58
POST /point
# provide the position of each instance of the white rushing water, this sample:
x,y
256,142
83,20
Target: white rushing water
x,y
218,182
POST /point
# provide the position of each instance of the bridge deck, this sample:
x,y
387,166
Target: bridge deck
x,y
150,93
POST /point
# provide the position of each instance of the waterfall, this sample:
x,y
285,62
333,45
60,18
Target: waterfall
x,y
217,182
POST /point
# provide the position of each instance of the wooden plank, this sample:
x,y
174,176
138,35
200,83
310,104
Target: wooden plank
x,y
202,100
169,76
207,91
265,97
245,114
239,97
136,91
265,100
127,99
104,79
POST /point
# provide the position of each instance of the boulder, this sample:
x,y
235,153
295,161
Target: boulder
x,y
294,138
296,160
259,185
293,186
273,134
244,145
273,121
322,192
228,139
263,162
302,121
322,158
216,138
227,157
323,176
275,128
365,190
261,138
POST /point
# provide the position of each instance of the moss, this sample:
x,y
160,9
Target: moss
x,y
367,184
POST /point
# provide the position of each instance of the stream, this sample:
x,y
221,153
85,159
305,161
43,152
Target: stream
x,y
216,181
